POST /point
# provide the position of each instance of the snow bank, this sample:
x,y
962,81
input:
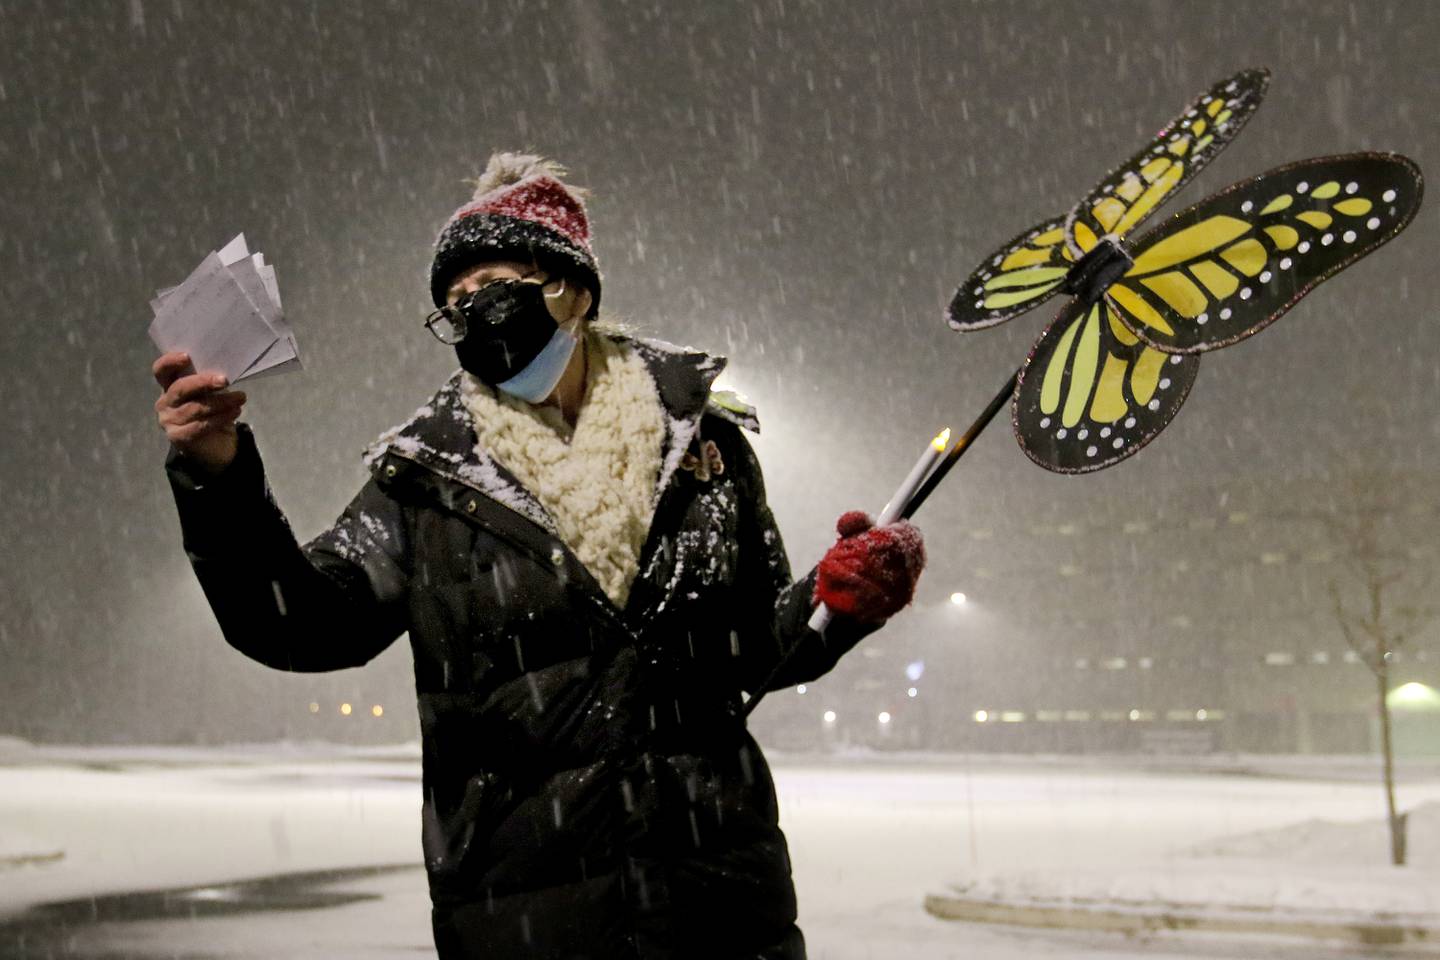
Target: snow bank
x,y
1316,869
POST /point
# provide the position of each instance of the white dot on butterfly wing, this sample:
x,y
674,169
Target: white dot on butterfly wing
x,y
1373,223
1082,434
1285,263
1302,186
1044,422
1351,187
1090,451
1203,319
1153,405
1348,236
1304,246
1247,206
1129,422
1165,384
1328,239
1104,431
1061,433
1175,358
1225,313
1265,276
1244,293
1388,195
1119,442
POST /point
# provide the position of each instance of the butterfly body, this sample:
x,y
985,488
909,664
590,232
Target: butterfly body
x,y
1100,267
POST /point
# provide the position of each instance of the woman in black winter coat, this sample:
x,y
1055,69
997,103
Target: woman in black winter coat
x,y
574,534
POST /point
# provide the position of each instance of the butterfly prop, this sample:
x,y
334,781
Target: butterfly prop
x,y
1116,363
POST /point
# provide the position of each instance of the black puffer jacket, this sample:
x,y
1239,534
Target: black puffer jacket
x,y
590,788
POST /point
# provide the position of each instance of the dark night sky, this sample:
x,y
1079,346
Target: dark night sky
x,y
797,185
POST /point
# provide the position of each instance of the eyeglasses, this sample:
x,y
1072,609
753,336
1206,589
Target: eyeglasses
x,y
448,324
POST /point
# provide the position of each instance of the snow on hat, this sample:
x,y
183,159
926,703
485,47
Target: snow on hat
x,y
520,211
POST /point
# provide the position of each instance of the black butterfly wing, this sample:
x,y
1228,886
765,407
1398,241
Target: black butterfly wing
x,y
1092,394
1236,261
1182,148
1017,278
1032,267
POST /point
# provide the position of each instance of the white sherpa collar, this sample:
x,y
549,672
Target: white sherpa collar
x,y
440,435
598,485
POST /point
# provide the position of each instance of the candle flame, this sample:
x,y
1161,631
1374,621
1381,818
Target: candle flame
x,y
942,441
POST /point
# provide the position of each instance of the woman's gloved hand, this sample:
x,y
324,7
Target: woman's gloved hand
x,y
870,574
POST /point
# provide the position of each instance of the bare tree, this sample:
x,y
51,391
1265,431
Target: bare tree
x,y
1378,627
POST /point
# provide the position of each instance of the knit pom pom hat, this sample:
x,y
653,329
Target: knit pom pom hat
x,y
520,211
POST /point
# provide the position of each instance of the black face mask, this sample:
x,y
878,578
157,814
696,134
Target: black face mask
x,y
507,324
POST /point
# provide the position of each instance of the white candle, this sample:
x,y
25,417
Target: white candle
x,y
820,619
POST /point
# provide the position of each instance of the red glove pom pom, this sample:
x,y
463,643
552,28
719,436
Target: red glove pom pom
x,y
870,574
853,523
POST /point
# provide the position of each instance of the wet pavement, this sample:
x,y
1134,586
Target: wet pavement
x,y
304,914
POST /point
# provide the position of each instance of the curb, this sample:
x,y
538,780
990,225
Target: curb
x,y
13,860
1140,918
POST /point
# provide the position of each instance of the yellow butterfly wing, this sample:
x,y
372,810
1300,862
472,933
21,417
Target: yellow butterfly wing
x,y
1024,273
1235,262
1036,265
1092,394
1135,189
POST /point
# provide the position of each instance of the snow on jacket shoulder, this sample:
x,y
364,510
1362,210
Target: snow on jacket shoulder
x,y
590,788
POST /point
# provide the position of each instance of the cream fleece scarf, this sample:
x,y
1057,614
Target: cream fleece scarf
x,y
597,484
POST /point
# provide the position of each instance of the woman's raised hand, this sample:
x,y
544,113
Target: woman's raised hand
x,y
196,412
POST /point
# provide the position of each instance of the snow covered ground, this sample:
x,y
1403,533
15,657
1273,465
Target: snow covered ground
x,y
870,837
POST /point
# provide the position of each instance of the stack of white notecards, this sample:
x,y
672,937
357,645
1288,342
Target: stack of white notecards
x,y
227,316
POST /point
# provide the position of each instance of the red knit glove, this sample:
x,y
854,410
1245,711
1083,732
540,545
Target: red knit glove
x,y
870,574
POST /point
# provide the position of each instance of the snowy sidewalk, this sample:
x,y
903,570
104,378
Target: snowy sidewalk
x,y
870,838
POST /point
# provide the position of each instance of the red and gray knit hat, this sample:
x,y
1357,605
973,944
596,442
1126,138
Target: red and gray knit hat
x,y
520,211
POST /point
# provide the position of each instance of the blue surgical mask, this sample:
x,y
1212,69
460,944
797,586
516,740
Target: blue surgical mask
x,y
540,376
510,340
